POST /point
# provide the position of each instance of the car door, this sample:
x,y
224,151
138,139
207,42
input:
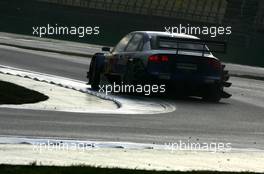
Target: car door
x,y
116,54
131,52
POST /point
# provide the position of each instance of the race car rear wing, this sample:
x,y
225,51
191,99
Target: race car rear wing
x,y
192,45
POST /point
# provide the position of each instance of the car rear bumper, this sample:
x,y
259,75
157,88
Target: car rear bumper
x,y
186,79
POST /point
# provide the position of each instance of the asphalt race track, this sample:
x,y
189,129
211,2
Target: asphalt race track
x,y
233,121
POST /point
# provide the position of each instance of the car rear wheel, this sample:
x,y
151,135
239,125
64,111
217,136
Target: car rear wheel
x,y
213,93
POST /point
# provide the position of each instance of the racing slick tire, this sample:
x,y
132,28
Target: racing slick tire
x,y
213,93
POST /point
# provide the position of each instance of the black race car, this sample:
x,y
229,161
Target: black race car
x,y
180,61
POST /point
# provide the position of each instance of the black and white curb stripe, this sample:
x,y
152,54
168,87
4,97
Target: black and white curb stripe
x,y
39,79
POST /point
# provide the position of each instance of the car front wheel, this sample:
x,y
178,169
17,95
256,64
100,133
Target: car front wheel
x,y
94,79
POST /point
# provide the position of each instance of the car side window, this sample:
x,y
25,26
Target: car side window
x,y
141,44
147,46
135,44
120,47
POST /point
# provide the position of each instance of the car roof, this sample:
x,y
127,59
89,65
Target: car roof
x,y
167,34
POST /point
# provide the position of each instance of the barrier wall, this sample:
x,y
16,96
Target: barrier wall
x,y
199,10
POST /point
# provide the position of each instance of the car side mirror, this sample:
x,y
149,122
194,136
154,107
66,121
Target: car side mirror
x,y
107,49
